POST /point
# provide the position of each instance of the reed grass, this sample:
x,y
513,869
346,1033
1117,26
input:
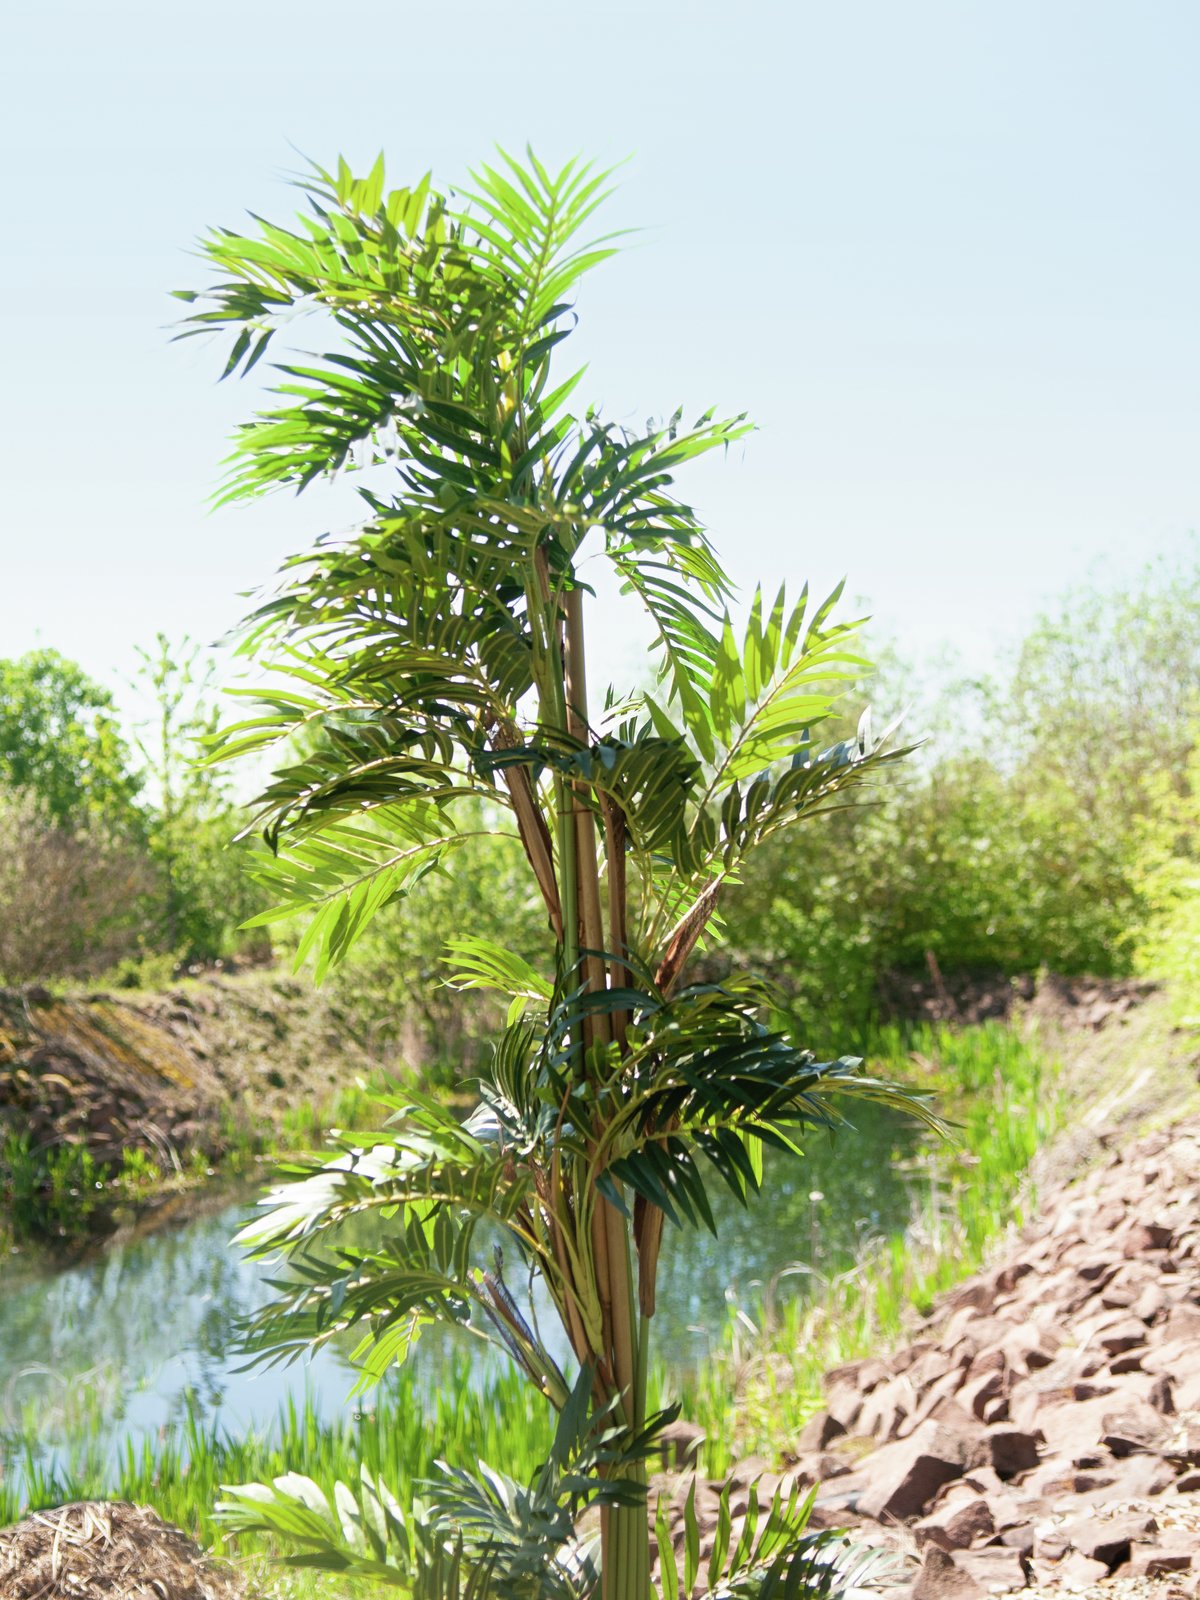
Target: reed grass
x,y
764,1378
760,1385
404,1428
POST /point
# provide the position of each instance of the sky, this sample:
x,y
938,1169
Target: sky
x,y
944,254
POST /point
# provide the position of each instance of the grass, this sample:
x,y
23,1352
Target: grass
x,y
410,1424
60,1195
760,1386
764,1380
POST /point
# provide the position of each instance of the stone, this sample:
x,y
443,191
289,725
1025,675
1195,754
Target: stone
x,y
1173,1552
942,1389
914,1354
1089,1482
1183,1322
1030,1347
757,1470
843,1401
1145,1236
1091,1391
1008,1277
995,1569
678,1445
1012,1451
1107,1540
1098,1271
864,1374
1073,1572
1161,1395
940,1578
957,1524
819,1432
977,1293
1124,1335
1150,1304
978,1390
1019,1537
1137,1426
903,1477
1130,1361
885,1408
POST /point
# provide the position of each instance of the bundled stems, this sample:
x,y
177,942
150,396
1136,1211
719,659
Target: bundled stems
x,y
624,1533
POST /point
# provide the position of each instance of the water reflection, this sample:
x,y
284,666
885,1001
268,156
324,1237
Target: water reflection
x,y
113,1347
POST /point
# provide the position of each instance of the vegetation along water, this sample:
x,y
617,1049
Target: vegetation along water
x,y
605,1070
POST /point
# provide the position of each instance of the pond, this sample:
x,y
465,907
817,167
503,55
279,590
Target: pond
x,y
116,1348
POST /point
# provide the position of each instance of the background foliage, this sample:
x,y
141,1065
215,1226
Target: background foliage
x,y
1049,822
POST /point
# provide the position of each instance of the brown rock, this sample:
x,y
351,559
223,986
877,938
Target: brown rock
x,y
843,1401
940,1578
678,1445
1107,1540
1091,1391
1135,1477
1008,1277
977,1293
957,1524
1172,1552
903,1477
944,1388
978,1390
1012,1451
995,1569
1089,1482
1145,1236
753,1469
1019,1537
819,1432
1126,1334
1031,1347
1131,1361
1183,1322
1161,1395
1072,1572
885,1408
1173,1355
1137,1426
912,1354
1150,1303
1098,1271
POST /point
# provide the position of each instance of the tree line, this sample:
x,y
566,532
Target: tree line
x,y
1048,821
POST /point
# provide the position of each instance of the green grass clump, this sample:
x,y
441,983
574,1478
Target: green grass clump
x,y
764,1380
404,1427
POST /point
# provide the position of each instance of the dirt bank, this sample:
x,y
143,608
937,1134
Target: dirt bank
x,y
172,1074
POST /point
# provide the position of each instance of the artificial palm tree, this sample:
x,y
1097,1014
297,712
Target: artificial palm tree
x,y
434,667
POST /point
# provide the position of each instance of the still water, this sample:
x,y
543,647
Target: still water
x,y
112,1348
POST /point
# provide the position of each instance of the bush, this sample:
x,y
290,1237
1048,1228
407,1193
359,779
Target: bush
x,y
74,899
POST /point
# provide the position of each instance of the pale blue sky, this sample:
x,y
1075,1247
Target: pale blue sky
x,y
946,254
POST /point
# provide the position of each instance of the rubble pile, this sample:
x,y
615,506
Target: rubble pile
x,y
1044,1426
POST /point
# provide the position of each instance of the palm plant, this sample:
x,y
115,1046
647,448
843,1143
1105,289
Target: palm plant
x,y
430,680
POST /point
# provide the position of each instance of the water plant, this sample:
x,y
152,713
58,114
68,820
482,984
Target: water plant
x,y
429,679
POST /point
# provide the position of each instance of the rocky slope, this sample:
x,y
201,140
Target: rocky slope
x,y
1043,1427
